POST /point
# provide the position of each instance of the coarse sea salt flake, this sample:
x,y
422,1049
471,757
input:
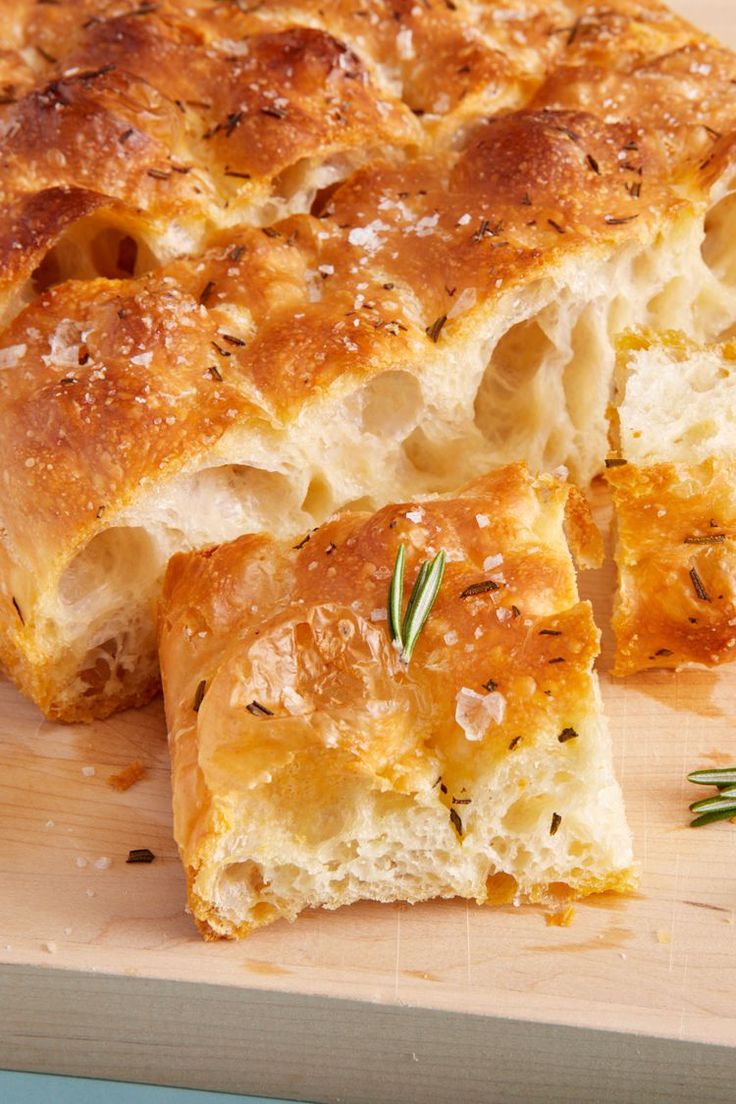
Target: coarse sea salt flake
x,y
142,359
404,44
492,561
424,227
10,356
294,702
367,236
476,712
483,521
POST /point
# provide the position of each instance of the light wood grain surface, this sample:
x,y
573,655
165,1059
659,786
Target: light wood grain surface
x,y
661,965
656,964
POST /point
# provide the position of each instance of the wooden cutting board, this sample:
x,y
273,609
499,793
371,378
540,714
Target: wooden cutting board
x,y
101,971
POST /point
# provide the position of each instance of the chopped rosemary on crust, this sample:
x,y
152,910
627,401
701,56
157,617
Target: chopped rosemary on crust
x,y
433,332
199,695
699,586
257,710
206,292
485,587
568,733
709,538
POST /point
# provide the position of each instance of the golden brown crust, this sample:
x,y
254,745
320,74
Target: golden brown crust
x,y
36,222
297,634
458,153
676,603
583,535
432,242
144,105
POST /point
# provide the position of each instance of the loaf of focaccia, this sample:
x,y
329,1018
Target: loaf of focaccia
x,y
258,263
312,767
674,490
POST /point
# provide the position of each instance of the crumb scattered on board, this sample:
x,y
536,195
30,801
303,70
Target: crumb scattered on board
x,y
561,919
128,776
664,936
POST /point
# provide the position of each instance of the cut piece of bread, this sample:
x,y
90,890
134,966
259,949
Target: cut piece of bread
x,y
259,265
312,767
674,490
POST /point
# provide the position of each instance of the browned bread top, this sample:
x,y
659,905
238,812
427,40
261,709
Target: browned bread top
x,y
224,219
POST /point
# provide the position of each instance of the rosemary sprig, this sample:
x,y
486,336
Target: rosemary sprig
x,y
424,593
720,807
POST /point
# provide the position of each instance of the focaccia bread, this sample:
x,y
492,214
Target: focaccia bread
x,y
674,492
261,262
312,768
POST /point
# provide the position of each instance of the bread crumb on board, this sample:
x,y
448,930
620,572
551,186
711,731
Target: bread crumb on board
x,y
664,936
563,918
128,776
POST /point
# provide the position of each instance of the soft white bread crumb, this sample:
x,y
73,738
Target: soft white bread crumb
x,y
678,402
675,504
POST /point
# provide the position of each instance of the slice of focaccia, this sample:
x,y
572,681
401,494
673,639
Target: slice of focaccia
x,y
674,491
313,767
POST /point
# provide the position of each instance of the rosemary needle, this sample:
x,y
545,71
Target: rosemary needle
x,y
724,800
721,776
424,593
426,596
721,806
395,596
415,592
715,814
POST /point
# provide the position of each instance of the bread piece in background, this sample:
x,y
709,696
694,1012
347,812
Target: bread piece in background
x,y
312,768
674,490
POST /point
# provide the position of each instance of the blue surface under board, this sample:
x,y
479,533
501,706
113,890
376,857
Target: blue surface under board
x,y
40,1088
